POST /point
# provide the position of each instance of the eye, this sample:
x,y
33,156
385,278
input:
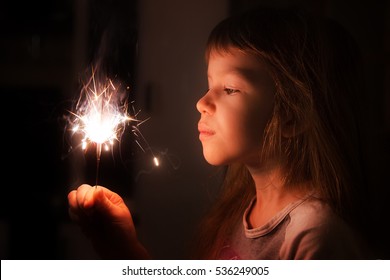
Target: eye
x,y
230,91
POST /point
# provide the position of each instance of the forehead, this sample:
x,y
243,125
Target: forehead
x,y
236,62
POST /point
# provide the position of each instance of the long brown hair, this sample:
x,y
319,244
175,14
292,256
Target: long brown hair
x,y
314,65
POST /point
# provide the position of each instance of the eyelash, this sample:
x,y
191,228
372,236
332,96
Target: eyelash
x,y
230,91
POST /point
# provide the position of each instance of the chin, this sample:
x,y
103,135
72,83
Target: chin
x,y
215,161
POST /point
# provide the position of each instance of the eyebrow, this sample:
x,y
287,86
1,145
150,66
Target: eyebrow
x,y
245,73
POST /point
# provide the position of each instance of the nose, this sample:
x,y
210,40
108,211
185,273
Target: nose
x,y
204,104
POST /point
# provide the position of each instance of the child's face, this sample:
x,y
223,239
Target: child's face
x,y
236,108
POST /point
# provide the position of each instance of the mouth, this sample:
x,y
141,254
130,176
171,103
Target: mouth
x,y
204,132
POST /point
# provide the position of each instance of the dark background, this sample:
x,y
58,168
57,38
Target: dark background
x,y
45,45
42,72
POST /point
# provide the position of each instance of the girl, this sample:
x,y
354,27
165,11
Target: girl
x,y
279,116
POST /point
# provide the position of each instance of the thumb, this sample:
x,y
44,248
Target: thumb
x,y
110,205
107,202
102,203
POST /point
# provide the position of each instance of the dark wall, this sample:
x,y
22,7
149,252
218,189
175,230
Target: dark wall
x,y
45,48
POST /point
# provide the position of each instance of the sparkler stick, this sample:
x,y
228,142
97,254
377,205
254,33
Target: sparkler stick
x,y
101,117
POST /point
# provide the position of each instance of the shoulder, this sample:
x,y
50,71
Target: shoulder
x,y
314,212
316,232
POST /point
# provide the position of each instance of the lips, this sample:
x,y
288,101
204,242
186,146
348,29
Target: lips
x,y
204,131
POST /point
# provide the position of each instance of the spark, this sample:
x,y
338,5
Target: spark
x,y
156,161
101,117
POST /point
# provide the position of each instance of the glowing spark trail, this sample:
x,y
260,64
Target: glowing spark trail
x,y
101,117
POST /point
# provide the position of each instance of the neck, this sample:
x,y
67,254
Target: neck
x,y
272,194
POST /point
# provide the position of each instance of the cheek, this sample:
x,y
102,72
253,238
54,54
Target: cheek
x,y
251,134
230,142
252,129
255,119
256,125
244,133
238,140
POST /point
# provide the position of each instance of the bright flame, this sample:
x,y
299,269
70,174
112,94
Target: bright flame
x,y
101,116
102,124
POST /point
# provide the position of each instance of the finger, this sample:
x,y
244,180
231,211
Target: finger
x,y
72,200
89,199
80,195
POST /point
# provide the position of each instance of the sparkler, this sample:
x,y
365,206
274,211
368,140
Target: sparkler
x,y
101,117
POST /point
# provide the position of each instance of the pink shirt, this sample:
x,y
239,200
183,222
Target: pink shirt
x,y
305,229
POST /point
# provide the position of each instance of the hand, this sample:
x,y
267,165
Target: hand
x,y
106,220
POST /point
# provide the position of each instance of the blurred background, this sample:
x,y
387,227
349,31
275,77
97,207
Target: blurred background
x,y
156,49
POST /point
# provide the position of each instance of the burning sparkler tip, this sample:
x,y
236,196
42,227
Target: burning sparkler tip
x,y
101,116
156,161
